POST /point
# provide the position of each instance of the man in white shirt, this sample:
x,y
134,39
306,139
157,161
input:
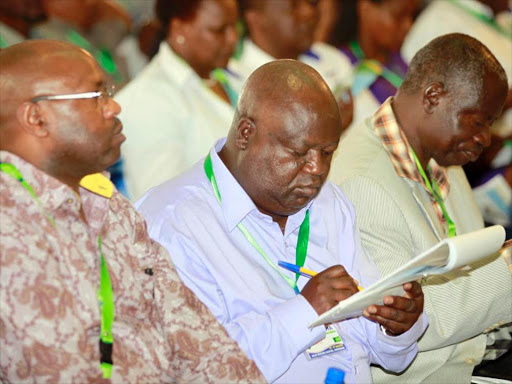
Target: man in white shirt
x,y
285,29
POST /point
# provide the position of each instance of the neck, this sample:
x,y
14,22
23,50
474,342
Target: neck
x,y
181,51
370,48
280,220
274,51
228,159
407,118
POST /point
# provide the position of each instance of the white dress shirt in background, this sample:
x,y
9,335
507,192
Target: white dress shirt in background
x,y
171,120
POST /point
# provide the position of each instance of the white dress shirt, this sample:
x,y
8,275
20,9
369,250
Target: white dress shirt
x,y
255,304
171,119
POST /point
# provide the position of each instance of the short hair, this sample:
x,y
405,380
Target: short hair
x,y
456,60
244,5
165,10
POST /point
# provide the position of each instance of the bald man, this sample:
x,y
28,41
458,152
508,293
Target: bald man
x,y
81,282
259,198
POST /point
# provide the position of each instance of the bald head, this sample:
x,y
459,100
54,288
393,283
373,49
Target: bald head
x,y
68,137
29,68
283,84
286,128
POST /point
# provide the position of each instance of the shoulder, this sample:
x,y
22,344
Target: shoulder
x,y
360,153
332,200
327,57
181,197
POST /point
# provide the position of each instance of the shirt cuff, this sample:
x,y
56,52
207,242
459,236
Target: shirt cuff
x,y
295,315
407,338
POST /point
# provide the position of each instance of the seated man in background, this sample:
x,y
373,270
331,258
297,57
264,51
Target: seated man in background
x,y
285,29
60,231
259,198
402,172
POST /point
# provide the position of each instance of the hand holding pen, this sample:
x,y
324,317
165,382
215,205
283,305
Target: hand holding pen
x,y
397,315
327,288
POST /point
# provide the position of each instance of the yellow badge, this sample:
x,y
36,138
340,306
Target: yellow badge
x,y
98,184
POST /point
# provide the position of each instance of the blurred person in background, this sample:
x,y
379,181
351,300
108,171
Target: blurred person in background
x,y
16,19
490,22
285,29
180,104
97,26
328,17
370,34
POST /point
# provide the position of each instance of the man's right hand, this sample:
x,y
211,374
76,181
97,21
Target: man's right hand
x,y
328,288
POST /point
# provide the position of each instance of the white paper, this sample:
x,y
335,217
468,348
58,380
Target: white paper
x,y
449,254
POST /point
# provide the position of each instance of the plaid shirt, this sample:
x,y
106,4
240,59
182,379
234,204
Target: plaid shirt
x,y
394,141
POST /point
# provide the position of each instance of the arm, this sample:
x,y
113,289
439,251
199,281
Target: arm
x,y
401,317
34,303
388,238
200,350
272,339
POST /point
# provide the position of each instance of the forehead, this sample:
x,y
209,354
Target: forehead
x,y
487,101
216,10
303,125
79,72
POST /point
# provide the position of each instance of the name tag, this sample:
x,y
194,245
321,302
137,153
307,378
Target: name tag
x,y
330,344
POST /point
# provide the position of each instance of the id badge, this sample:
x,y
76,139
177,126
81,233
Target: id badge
x,y
330,344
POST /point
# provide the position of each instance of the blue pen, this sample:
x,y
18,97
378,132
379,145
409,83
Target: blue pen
x,y
295,268
303,271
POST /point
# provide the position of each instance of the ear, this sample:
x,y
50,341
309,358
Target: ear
x,y
244,131
178,30
432,95
32,120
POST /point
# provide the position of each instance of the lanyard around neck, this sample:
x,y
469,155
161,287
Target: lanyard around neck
x,y
374,66
219,75
434,190
302,241
105,294
489,20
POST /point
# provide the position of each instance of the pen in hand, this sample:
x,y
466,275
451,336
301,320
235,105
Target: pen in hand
x,y
302,271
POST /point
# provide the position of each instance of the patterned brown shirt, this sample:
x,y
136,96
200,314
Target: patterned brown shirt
x,y
49,277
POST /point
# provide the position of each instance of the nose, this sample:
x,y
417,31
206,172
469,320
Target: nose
x,y
111,108
483,138
316,164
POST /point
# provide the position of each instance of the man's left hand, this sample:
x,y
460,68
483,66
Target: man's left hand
x,y
398,314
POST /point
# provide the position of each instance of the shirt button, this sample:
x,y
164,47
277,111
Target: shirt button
x,y
470,361
70,201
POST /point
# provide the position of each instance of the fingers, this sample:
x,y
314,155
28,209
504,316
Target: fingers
x,y
328,288
398,314
413,290
395,320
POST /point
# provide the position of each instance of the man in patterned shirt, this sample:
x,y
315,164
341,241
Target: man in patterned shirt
x,y
69,243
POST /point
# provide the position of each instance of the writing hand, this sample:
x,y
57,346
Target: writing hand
x,y
328,288
398,314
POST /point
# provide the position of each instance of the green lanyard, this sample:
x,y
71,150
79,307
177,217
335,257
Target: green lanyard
x,y
219,75
102,56
373,66
302,241
483,18
436,192
3,43
105,294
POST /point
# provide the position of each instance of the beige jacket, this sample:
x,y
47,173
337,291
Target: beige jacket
x,y
397,222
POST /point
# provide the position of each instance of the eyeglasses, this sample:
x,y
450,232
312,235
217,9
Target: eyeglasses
x,y
107,93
